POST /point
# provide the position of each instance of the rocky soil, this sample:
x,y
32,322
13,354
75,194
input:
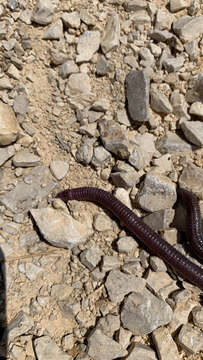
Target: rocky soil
x,y
104,93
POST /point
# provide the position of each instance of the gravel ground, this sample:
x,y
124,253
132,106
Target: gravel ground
x,y
106,94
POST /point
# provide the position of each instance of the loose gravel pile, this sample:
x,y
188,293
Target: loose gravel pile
x,y
106,94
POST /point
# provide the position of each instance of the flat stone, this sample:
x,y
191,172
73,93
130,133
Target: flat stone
x,y
171,143
177,5
188,28
191,179
143,150
159,220
61,291
87,18
159,102
197,316
119,284
43,12
9,129
71,19
172,64
143,312
110,262
6,153
103,66
157,264
102,347
29,192
197,109
141,351
31,271
179,104
13,72
79,83
88,44
102,222
163,20
181,312
109,324
192,49
54,31
193,131
24,158
100,156
59,229
84,153
158,192
20,105
47,349
111,34
91,257
190,339
163,164
161,35
124,175
67,68
21,325
159,281
135,5
114,138
137,94
141,17
126,244
5,84
59,169
165,345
